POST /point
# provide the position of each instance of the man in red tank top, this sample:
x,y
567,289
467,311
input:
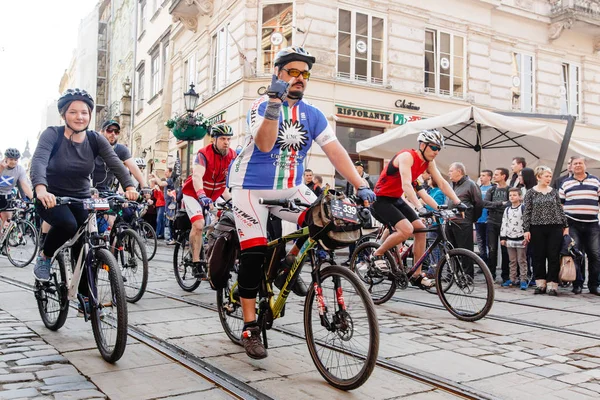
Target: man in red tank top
x,y
399,177
206,185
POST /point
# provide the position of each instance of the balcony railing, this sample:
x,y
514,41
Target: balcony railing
x,y
583,8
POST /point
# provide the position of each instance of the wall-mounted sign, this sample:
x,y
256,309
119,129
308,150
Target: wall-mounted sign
x,y
401,103
445,63
217,118
401,119
361,46
276,38
359,113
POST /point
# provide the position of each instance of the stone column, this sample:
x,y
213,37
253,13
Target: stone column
x,y
125,117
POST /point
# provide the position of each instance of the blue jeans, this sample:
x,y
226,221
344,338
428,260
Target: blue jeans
x,y
482,243
587,239
160,221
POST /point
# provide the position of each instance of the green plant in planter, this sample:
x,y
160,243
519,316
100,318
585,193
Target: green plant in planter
x,y
188,126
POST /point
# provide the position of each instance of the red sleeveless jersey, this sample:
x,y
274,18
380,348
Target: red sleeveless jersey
x,y
215,175
390,181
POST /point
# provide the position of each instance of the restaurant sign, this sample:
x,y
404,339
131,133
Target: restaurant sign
x,y
360,113
401,119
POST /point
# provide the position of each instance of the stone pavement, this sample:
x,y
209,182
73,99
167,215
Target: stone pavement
x,y
31,368
507,360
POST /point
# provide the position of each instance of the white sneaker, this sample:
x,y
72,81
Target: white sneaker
x,y
380,263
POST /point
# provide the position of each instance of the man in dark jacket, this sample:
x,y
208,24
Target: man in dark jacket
x,y
461,232
496,201
360,168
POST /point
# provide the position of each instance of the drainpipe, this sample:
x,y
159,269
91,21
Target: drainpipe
x,y
134,76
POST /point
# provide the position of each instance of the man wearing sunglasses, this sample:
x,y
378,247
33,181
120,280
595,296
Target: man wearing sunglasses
x,y
399,177
281,129
103,178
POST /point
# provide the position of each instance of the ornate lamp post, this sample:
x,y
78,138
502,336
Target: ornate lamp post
x,y
190,99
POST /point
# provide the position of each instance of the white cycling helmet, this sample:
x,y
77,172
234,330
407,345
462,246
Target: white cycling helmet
x,y
140,162
432,136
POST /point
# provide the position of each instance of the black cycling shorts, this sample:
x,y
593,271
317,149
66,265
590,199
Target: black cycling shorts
x,y
4,201
390,210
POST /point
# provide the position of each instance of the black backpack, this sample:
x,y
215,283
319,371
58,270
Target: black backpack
x,y
222,251
91,135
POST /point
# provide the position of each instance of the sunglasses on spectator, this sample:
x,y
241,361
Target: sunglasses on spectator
x,y
294,73
113,130
434,148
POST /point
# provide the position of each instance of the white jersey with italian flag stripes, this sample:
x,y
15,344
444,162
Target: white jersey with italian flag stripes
x,y
283,166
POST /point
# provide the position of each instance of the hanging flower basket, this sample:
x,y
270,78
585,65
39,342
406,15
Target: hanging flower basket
x,y
188,127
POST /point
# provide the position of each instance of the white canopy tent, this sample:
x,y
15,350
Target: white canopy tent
x,y
481,139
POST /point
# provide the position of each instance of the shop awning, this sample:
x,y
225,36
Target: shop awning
x,y
481,139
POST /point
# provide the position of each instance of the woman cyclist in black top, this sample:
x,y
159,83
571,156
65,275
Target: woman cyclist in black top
x,y
61,166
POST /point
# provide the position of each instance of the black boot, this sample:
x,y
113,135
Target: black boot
x,y
298,287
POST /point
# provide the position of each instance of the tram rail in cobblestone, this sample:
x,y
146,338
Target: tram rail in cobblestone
x,y
219,378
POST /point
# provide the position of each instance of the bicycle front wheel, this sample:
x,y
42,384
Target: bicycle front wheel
x,y
466,283
341,328
182,264
51,296
379,285
148,235
109,315
230,308
21,243
131,256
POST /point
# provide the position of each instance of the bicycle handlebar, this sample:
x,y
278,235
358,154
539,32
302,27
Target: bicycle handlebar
x,y
287,203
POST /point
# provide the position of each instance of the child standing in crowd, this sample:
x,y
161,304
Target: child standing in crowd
x,y
512,236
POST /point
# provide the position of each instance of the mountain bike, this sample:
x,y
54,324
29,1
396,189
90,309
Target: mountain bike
x,y
340,323
128,249
19,238
466,295
103,299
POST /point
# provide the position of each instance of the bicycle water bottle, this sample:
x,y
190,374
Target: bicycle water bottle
x,y
106,234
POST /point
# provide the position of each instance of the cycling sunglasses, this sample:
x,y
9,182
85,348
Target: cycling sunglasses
x,y
113,130
434,147
294,73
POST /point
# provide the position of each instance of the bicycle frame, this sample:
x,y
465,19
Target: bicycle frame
x,y
276,305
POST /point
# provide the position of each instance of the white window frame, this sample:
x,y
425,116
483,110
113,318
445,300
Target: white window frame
x,y
155,72
352,74
522,74
165,47
143,17
568,93
141,77
219,74
264,4
437,32
189,71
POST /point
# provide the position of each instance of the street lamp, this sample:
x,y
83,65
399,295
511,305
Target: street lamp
x,y
190,98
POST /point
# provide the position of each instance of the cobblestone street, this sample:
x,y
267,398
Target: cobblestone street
x,y
527,346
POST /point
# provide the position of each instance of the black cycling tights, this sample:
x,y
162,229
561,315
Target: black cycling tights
x,y
65,220
251,264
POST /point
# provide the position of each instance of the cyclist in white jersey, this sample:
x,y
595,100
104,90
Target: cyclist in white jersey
x,y
11,175
282,127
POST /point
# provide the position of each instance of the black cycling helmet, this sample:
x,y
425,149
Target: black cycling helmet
x,y
71,95
12,153
294,53
219,130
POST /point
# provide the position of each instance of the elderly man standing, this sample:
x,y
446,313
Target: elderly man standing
x,y
461,233
580,195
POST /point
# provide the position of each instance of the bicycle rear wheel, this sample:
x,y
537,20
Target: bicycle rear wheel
x,y
131,257
468,292
109,315
344,342
182,264
230,308
148,235
51,296
21,243
379,286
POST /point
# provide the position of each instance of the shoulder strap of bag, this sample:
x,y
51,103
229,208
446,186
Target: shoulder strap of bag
x,y
93,139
